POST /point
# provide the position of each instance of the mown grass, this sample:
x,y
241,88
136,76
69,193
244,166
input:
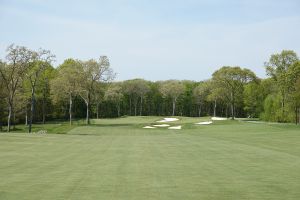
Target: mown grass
x,y
56,127
118,159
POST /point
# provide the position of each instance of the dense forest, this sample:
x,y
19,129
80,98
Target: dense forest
x,y
33,91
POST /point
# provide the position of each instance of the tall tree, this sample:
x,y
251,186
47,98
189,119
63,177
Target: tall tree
x,y
216,96
128,91
98,95
253,98
200,94
46,77
65,84
172,89
41,59
232,79
135,89
12,73
294,78
139,88
277,67
2,97
296,97
114,94
93,71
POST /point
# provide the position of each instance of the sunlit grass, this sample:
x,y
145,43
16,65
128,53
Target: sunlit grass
x,y
118,159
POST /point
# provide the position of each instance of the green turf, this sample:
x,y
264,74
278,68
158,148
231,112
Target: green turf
x,y
57,127
117,159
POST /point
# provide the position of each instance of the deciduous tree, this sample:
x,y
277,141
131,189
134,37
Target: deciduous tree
x,y
66,82
278,68
200,94
40,60
93,71
232,79
172,89
13,73
114,94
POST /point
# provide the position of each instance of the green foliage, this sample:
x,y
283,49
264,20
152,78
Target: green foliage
x,y
284,68
114,94
66,81
84,89
201,92
172,89
254,96
232,80
271,107
279,64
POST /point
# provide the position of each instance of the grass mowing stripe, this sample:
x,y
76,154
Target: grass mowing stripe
x,y
225,160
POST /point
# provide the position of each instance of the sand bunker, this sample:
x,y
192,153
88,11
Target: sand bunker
x,y
204,123
165,125
218,118
168,120
149,127
175,127
161,125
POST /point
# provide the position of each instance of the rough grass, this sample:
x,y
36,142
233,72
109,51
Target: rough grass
x,y
117,159
57,127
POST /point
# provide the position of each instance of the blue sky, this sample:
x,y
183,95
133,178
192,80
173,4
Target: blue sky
x,y
156,39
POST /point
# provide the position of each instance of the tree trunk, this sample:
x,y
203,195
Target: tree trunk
x,y
135,107
26,116
199,111
141,110
44,117
97,110
215,108
208,110
283,103
232,111
118,109
88,108
299,115
87,114
232,106
226,112
44,108
296,115
14,120
174,107
10,110
31,109
70,109
130,102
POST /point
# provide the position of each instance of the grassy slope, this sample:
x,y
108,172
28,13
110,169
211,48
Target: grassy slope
x,y
117,159
57,127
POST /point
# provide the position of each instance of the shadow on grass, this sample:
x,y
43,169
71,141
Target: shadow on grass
x,y
111,125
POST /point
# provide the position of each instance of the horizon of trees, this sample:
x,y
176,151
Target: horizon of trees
x,y
33,91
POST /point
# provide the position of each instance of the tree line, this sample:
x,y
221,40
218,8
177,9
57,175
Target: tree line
x,y
33,91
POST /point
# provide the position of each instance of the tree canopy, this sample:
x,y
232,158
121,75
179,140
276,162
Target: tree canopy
x,y
32,91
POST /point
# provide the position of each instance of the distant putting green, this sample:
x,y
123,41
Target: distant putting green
x,y
118,159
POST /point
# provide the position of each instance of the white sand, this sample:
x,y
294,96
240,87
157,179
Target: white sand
x,y
204,123
171,119
161,125
218,118
149,127
168,120
175,127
